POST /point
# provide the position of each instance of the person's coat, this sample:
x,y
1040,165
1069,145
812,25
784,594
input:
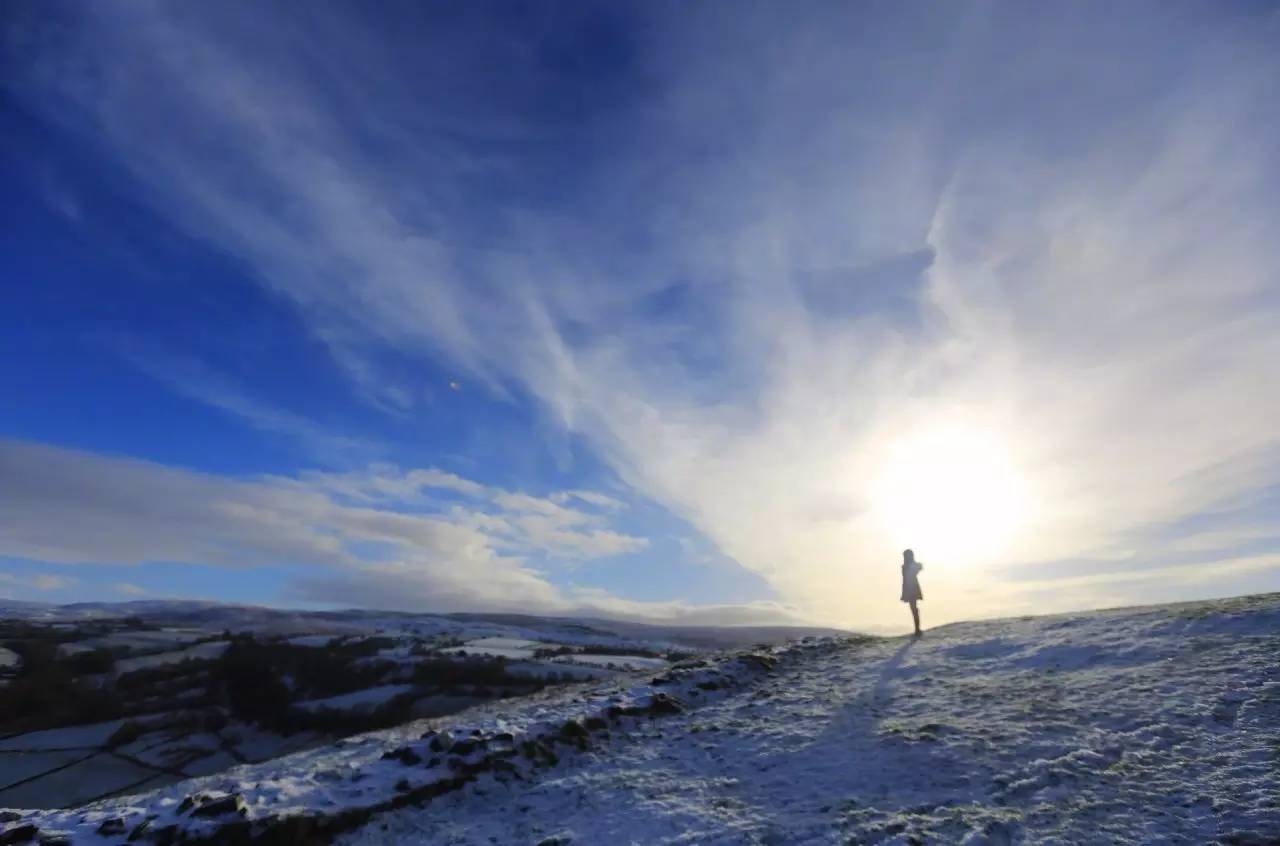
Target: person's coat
x,y
910,583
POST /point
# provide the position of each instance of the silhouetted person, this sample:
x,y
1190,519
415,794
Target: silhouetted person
x,y
911,593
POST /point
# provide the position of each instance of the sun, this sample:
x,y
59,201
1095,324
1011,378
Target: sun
x,y
953,491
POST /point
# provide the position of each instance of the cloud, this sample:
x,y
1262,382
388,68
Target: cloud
x,y
386,482
794,241
38,582
73,507
363,536
393,589
595,498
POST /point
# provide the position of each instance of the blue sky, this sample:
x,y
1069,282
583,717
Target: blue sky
x,y
678,312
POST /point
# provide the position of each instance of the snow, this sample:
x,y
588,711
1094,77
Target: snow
x,y
137,640
86,780
402,655
201,651
366,699
489,652
88,736
212,763
20,766
513,648
8,658
1140,725
626,662
314,640
548,669
256,745
504,643
167,750
440,704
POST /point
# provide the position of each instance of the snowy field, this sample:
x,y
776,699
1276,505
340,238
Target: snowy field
x,y
73,765
1152,725
199,652
625,662
61,769
366,699
1142,726
140,641
520,650
512,648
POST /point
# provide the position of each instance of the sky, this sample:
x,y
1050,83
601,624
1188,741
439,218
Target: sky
x,y
682,312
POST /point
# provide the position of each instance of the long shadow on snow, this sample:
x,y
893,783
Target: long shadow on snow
x,y
890,747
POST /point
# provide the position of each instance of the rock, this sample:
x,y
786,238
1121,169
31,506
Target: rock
x,y
767,663
229,804
166,836
466,747
404,755
140,829
442,742
574,730
403,784
233,832
535,750
595,723
9,816
663,704
110,826
18,834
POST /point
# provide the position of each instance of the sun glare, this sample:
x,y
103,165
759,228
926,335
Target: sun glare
x,y
951,492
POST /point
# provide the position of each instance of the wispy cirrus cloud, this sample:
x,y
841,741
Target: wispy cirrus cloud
x,y
773,247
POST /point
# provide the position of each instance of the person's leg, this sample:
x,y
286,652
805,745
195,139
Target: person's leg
x,y
915,615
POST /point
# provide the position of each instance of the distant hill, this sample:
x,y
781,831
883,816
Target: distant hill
x,y
239,617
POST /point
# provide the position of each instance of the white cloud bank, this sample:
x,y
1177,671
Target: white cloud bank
x,y
380,538
808,237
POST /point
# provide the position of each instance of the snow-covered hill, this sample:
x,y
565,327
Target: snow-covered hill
x,y
1150,725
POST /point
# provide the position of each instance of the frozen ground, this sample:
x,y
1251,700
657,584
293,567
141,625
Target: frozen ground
x,y
627,662
369,697
141,641
1154,725
201,651
1145,726
77,764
